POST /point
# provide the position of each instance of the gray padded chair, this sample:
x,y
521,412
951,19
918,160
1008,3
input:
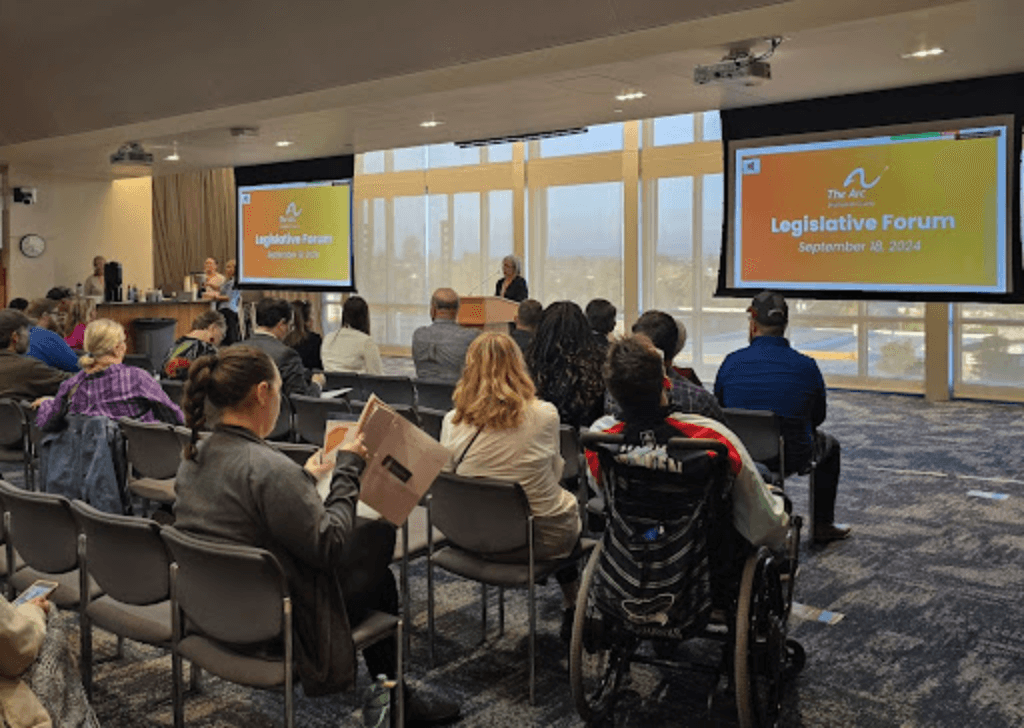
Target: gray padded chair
x,y
435,395
430,421
154,454
483,517
174,389
41,529
12,436
572,453
224,596
298,452
393,389
312,413
761,433
129,562
283,429
345,380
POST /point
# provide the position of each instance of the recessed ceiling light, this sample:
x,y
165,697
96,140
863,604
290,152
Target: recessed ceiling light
x,y
630,96
430,123
924,53
284,143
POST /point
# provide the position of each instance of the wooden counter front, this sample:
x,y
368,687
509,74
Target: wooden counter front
x,y
125,313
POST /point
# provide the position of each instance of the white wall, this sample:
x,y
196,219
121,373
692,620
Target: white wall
x,y
80,218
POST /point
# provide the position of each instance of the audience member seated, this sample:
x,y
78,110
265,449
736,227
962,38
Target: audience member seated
x,y
565,362
771,375
635,376
601,315
18,304
512,285
40,685
439,350
206,335
233,487
107,387
273,322
669,337
82,311
46,343
23,377
303,338
499,429
351,348
527,318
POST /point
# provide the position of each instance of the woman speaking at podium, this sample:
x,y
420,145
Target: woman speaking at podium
x,y
513,285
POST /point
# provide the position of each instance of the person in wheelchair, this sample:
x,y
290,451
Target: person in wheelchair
x,y
634,373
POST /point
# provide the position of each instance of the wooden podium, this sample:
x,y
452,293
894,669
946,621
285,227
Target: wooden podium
x,y
490,313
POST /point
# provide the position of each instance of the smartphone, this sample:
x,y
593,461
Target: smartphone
x,y
39,588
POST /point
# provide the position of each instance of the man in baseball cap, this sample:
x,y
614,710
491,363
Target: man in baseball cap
x,y
770,375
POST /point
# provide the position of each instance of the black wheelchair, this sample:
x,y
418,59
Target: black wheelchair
x,y
671,568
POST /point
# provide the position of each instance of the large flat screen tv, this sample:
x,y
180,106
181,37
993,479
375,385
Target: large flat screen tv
x,y
918,211
295,225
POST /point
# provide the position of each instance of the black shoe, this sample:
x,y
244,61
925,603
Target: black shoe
x,y
422,709
826,532
567,619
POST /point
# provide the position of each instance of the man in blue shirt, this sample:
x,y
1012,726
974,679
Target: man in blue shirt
x,y
770,375
45,345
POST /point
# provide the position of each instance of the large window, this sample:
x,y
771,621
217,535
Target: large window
x,y
631,212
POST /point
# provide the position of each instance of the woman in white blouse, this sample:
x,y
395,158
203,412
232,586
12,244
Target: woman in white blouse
x,y
350,348
499,429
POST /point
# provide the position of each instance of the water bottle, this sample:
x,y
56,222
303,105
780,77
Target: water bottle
x,y
377,703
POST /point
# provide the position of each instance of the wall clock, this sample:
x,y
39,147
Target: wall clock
x,y
32,245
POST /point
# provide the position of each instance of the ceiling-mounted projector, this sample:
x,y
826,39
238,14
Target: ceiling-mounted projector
x,y
131,153
740,66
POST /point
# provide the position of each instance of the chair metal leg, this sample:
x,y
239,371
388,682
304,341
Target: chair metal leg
x,y
195,678
289,691
501,610
483,613
811,520
430,585
119,653
178,700
84,625
399,676
533,613
404,579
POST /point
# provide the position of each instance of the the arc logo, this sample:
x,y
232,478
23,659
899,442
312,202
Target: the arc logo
x,y
854,189
291,215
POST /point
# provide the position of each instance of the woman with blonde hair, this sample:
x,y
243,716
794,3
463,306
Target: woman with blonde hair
x,y
499,429
81,312
106,386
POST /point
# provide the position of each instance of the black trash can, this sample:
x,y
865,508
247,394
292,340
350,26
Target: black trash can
x,y
154,338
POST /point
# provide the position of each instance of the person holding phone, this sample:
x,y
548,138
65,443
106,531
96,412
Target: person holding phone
x,y
234,487
25,643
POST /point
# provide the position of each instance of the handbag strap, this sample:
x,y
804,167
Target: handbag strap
x,y
466,449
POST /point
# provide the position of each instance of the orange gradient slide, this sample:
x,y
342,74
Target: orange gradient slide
x,y
920,211
296,234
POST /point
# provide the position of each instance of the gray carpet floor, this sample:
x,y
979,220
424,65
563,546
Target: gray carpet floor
x,y
926,603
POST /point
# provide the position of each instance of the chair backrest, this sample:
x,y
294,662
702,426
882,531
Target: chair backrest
x,y
341,380
392,389
230,592
312,413
297,451
435,395
154,450
125,555
408,411
34,433
283,428
141,361
480,515
12,423
174,389
431,420
760,431
569,444
42,529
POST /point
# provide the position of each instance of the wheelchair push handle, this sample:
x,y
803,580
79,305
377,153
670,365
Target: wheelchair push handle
x,y
589,439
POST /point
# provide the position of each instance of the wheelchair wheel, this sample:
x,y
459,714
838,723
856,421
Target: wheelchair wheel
x,y
596,663
761,653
